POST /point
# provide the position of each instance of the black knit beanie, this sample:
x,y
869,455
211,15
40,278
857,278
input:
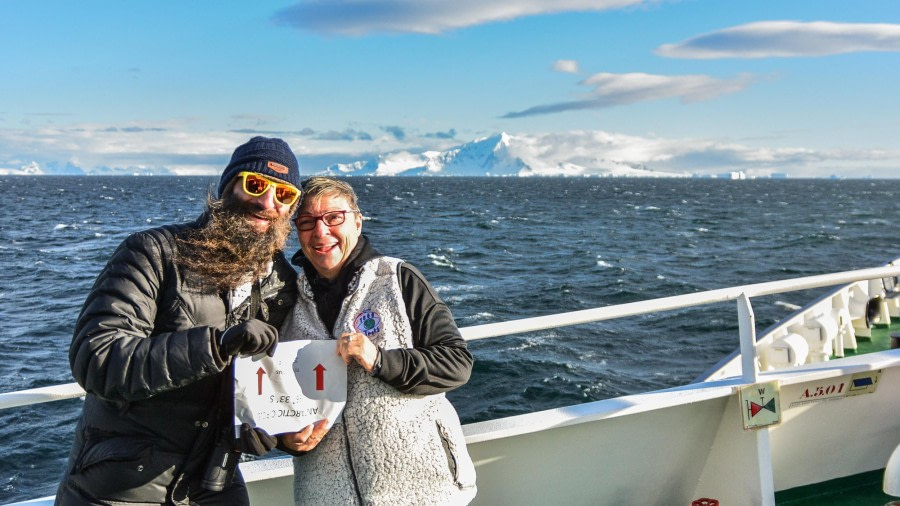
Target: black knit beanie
x,y
271,157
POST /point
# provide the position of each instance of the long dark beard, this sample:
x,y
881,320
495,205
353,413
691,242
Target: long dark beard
x,y
227,251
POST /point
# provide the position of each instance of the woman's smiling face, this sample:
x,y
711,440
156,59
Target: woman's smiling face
x,y
327,247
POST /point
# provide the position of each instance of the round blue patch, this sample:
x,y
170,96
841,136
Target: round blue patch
x,y
368,323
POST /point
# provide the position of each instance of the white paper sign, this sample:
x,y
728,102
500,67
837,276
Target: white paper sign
x,y
304,382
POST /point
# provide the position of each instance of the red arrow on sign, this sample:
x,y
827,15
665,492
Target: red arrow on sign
x,y
259,375
320,377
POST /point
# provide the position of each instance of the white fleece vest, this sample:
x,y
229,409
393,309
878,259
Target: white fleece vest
x,y
388,448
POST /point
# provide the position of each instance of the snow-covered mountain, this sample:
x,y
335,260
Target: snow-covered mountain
x,y
498,155
69,169
31,169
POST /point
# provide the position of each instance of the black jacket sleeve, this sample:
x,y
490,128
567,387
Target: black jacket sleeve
x,y
439,361
115,353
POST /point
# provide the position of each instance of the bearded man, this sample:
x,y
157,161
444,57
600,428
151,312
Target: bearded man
x,y
157,334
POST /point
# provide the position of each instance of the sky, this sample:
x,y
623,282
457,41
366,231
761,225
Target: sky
x,y
804,87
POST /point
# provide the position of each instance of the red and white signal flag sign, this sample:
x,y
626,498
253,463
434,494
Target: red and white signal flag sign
x,y
306,381
760,404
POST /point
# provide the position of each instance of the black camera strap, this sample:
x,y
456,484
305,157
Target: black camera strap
x,y
214,429
218,427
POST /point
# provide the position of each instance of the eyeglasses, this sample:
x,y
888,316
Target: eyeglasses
x,y
330,219
255,185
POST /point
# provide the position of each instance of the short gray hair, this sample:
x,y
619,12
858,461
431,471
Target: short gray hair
x,y
319,186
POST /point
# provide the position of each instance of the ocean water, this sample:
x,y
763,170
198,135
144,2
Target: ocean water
x,y
495,249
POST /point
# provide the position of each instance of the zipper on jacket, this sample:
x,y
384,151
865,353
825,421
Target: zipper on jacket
x,y
352,466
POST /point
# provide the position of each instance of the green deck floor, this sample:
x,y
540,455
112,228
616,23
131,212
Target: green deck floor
x,y
857,490
860,489
881,339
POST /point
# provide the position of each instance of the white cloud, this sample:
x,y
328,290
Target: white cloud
x,y
619,89
768,39
566,66
359,17
174,147
162,148
706,156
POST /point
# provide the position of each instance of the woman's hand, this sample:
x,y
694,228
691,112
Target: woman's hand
x,y
357,347
307,438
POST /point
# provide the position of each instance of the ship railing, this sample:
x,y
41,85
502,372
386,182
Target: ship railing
x,y
740,294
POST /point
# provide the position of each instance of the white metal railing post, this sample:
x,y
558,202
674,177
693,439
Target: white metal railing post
x,y
749,375
747,327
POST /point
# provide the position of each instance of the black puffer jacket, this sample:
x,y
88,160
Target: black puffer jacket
x,y
145,351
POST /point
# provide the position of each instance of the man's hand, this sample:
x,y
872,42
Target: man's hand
x,y
248,338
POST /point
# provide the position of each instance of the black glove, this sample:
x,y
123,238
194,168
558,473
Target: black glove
x,y
255,441
248,338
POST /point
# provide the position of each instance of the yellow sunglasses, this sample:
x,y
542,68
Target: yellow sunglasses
x,y
255,185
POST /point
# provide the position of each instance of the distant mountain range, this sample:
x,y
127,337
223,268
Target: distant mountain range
x,y
498,155
53,169
501,155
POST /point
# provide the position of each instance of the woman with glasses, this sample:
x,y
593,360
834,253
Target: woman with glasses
x,y
398,440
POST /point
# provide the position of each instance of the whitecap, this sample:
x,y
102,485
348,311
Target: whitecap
x,y
660,276
478,317
61,226
440,260
787,305
701,229
459,298
526,345
458,288
587,356
603,263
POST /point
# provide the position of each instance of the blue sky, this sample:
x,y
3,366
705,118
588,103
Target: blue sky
x,y
803,87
